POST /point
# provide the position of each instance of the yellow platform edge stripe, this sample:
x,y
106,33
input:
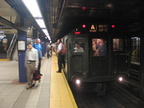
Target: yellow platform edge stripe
x,y
70,92
4,59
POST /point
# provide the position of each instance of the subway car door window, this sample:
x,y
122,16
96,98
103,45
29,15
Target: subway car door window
x,y
78,46
135,51
117,44
99,47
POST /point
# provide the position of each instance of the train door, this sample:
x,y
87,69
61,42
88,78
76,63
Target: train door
x,y
134,72
99,59
120,55
78,57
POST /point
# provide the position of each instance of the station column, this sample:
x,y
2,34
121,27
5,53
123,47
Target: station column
x,y
22,40
34,33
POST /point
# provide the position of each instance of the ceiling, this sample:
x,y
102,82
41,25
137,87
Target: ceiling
x,y
62,16
9,14
65,15
14,16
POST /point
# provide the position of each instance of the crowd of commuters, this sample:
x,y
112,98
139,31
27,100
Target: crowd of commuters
x,y
34,56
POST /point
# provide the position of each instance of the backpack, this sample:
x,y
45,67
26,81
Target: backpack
x,y
36,75
63,49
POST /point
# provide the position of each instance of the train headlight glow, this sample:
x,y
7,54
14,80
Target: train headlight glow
x,y
120,79
78,81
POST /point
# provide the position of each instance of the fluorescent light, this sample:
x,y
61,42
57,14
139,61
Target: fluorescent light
x,y
49,37
2,32
41,23
47,34
45,31
33,7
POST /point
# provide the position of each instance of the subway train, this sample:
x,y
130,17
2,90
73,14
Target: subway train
x,y
102,54
96,53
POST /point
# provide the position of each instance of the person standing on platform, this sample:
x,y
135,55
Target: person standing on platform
x,y
31,63
49,50
38,46
61,50
5,43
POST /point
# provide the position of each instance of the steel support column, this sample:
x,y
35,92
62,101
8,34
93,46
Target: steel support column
x,y
22,36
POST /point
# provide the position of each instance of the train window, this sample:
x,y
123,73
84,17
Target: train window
x,y
78,46
117,45
99,47
135,45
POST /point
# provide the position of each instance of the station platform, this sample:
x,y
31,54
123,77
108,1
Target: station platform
x,y
52,92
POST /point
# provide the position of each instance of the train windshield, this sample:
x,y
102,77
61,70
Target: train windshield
x,y
78,46
117,45
99,47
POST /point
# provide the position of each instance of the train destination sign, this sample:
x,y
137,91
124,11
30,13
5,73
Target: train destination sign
x,y
98,28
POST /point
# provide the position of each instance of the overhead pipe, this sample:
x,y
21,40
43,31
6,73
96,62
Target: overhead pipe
x,y
61,10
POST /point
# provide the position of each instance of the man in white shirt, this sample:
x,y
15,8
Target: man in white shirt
x,y
5,43
31,62
78,48
61,50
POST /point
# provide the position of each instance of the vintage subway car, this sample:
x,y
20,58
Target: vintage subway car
x,y
96,53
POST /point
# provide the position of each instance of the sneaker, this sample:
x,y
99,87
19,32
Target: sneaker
x,y
33,84
28,87
58,71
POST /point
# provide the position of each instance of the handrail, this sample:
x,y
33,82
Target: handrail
x,y
11,46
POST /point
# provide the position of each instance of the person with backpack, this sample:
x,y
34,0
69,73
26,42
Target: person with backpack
x,y
61,51
31,63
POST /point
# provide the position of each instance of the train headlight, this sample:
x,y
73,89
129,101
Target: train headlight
x,y
120,79
78,81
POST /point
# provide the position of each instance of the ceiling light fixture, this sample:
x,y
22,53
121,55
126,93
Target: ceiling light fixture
x,y
33,7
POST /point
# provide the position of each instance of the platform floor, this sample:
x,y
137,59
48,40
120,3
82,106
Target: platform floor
x,y
52,92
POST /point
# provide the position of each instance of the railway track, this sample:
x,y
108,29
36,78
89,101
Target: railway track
x,y
138,103
114,98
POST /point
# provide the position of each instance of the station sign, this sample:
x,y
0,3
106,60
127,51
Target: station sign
x,y
98,28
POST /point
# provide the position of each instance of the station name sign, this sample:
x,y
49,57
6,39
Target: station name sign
x,y
98,28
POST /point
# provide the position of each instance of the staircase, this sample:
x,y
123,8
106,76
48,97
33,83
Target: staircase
x,y
6,55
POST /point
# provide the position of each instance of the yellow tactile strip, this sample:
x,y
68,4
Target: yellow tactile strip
x,y
60,93
4,59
